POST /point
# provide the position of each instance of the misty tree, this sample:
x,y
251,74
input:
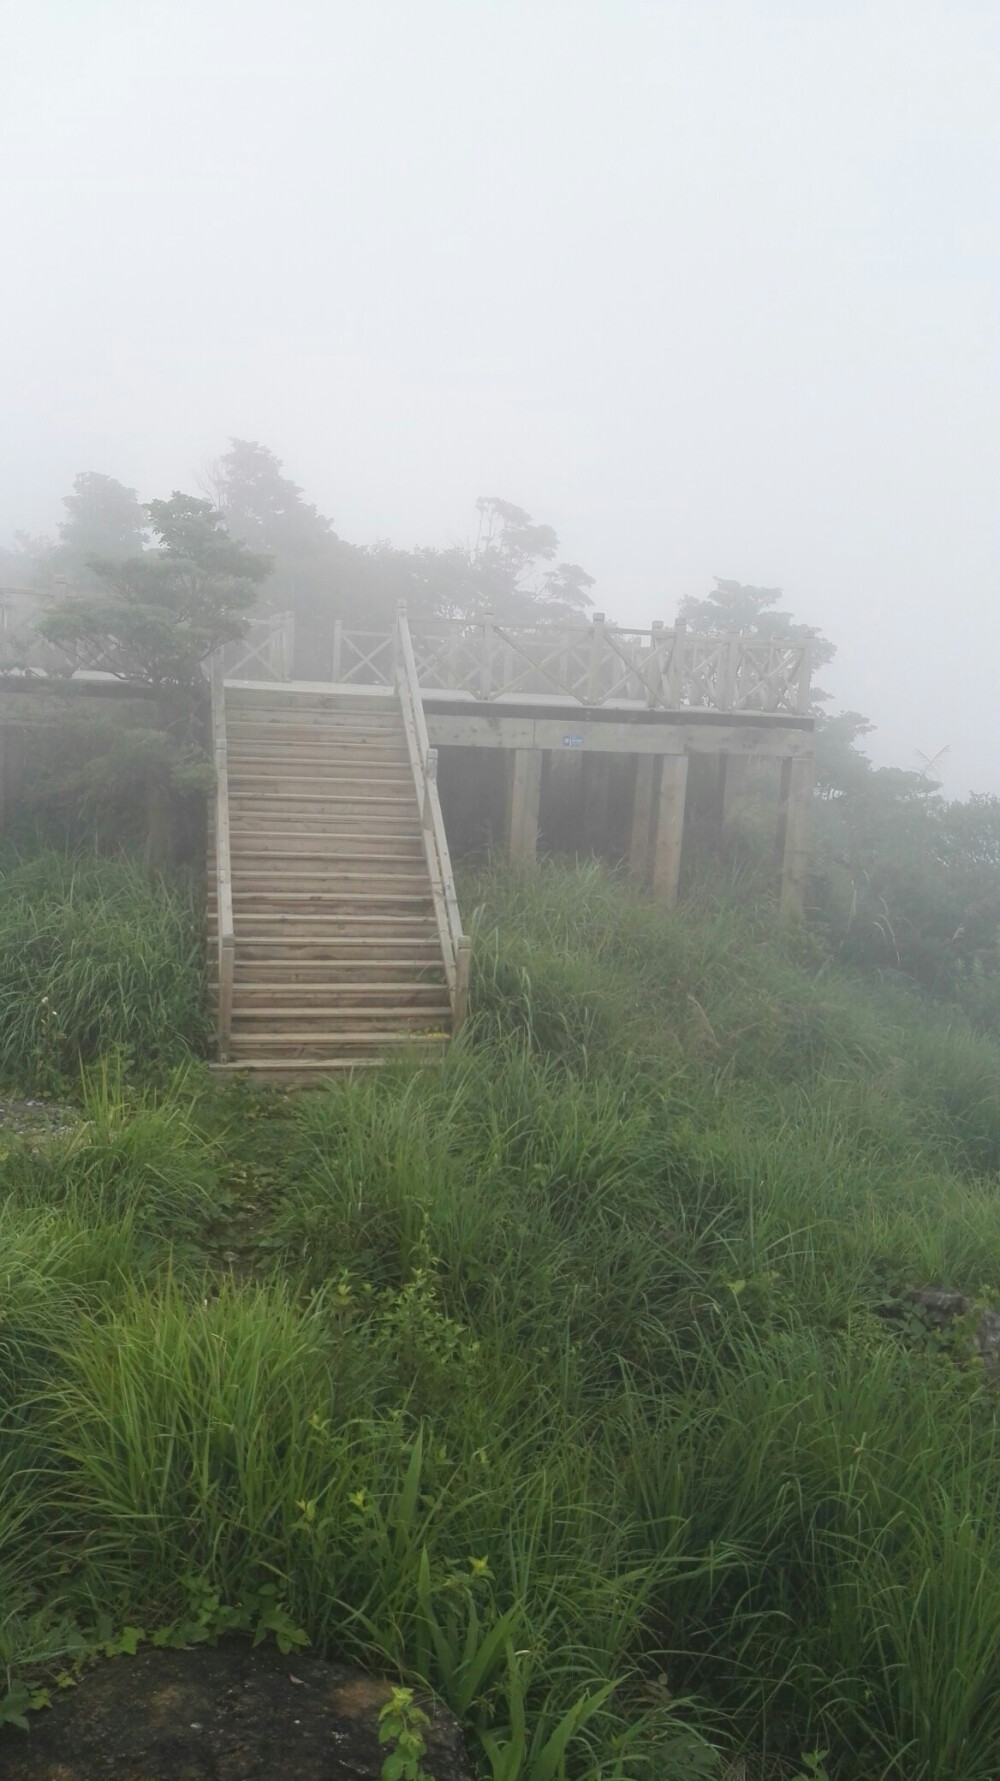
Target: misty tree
x,y
155,616
754,612
508,570
103,519
513,563
315,574
738,606
28,563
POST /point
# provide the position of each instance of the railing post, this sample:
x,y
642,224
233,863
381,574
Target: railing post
x,y
675,673
463,967
653,667
730,672
223,874
805,676
227,962
486,657
596,654
338,648
430,778
396,652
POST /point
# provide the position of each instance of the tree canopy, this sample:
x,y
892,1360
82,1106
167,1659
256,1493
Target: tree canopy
x,y
154,617
103,519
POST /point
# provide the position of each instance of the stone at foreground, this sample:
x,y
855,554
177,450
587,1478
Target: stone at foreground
x,y
222,1714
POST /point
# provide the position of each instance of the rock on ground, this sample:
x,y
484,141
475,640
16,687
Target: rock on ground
x,y
226,1713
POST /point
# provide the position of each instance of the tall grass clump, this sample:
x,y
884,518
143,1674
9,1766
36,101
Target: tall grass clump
x,y
97,957
578,1378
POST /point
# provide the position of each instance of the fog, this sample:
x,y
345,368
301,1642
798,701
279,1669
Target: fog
x,y
710,287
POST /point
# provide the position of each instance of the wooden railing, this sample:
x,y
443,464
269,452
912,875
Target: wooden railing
x,y
596,664
223,871
265,653
455,946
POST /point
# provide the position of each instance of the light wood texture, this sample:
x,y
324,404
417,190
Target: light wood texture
x,y
329,881
423,762
595,664
524,791
490,728
226,938
642,815
668,830
795,808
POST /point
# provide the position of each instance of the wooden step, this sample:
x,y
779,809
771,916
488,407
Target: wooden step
x,y
367,828
321,759
387,725
252,949
244,729
281,868
337,978
251,899
281,699
326,890
318,843
323,842
292,1073
360,1039
311,693
334,799
336,925
385,784
376,1017
309,995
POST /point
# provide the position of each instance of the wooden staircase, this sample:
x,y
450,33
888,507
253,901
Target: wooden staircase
x,y
332,923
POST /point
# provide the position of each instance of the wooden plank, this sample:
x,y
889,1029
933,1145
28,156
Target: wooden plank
x,y
226,940
524,789
796,800
492,730
424,766
668,833
642,815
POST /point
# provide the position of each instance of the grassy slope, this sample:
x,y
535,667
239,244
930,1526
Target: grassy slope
x,y
558,1366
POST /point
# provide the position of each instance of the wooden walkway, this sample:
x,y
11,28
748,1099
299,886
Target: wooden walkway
x,y
336,935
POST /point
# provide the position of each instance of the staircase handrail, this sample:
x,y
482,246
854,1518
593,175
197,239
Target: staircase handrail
x,y
223,869
456,946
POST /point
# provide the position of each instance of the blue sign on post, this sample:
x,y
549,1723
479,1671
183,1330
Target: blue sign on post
x,y
572,741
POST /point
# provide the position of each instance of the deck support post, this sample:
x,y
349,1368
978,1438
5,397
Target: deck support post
x,y
793,833
668,828
642,814
596,801
735,772
524,793
11,770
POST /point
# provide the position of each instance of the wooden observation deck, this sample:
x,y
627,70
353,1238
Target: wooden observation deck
x,y
331,897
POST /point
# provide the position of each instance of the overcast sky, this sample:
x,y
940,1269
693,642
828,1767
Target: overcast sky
x,y
710,286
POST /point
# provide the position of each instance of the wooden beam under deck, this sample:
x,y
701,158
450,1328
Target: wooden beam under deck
x,y
641,732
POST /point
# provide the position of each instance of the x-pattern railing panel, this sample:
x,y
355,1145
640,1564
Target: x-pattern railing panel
x,y
594,665
450,659
369,658
265,649
769,676
703,671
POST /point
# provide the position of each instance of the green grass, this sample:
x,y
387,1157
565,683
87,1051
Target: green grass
x,y
96,958
559,1377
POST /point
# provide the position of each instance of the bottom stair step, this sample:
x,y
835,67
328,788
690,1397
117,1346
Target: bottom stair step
x,y
296,1072
385,1038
